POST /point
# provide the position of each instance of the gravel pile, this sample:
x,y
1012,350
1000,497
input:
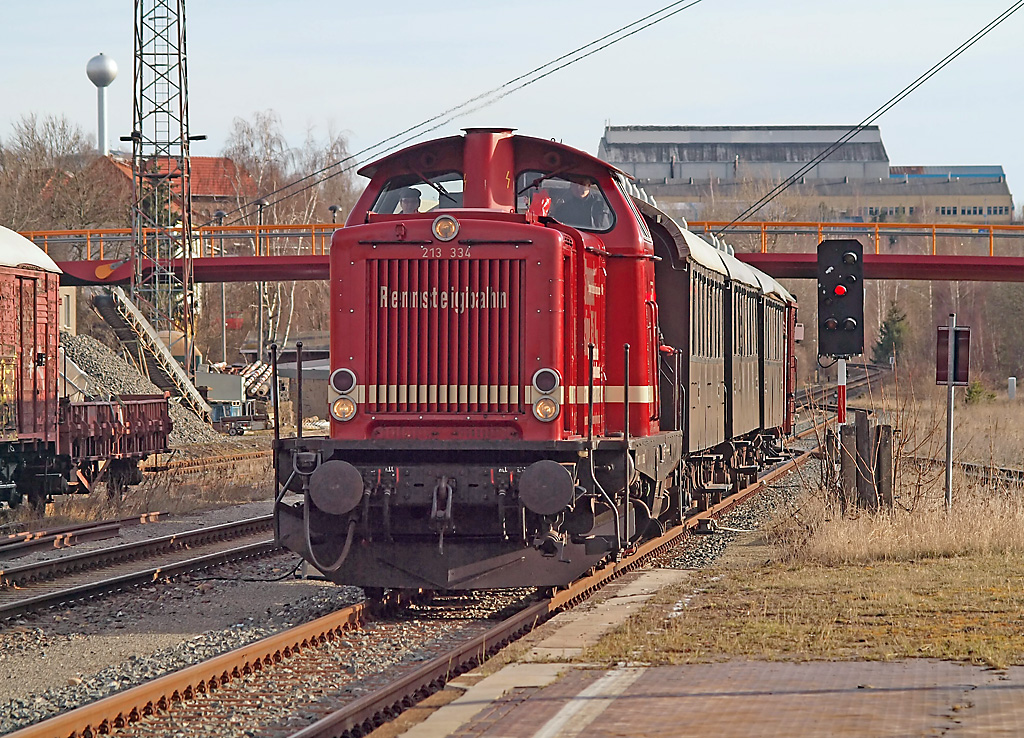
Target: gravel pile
x,y
111,375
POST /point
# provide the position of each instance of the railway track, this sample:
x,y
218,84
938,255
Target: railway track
x,y
35,586
14,545
860,376
983,472
364,713
209,463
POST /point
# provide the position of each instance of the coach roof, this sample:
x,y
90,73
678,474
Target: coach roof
x,y
18,251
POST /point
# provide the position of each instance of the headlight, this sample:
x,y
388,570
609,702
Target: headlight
x,y
546,381
445,227
545,409
344,408
343,381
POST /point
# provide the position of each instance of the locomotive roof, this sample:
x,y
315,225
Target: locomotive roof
x,y
370,169
18,251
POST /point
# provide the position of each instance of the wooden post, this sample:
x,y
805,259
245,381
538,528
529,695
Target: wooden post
x,y
866,496
848,466
884,464
830,460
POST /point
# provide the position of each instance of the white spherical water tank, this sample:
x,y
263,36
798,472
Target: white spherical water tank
x,y
101,71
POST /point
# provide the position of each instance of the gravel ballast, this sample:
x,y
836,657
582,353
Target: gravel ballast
x,y
59,659
701,550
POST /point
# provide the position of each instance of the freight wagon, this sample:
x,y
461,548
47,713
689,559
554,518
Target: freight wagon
x,y
50,445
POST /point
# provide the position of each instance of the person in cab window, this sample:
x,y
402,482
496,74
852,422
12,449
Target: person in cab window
x,y
409,201
580,207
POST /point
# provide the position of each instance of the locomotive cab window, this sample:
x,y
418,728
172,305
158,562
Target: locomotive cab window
x,y
411,193
576,200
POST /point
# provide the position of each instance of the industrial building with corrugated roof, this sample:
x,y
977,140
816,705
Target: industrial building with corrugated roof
x,y
711,172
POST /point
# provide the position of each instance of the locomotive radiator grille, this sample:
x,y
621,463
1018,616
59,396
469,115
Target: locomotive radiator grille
x,y
444,335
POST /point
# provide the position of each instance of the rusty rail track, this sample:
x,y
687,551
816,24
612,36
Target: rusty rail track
x,y
25,542
26,588
362,715
986,473
816,395
66,595
155,466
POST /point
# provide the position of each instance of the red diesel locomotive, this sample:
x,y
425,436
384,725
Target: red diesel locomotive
x,y
532,368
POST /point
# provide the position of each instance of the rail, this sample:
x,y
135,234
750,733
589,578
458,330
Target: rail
x,y
361,716
13,545
22,576
314,239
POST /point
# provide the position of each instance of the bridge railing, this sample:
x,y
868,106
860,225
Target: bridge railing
x,y
942,237
207,241
767,236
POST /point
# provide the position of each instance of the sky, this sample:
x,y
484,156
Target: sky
x,y
370,70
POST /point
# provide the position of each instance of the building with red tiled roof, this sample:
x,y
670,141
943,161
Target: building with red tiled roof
x,y
218,183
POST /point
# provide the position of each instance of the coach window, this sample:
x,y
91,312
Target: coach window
x,y
436,192
576,199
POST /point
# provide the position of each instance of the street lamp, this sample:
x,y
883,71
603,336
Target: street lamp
x,y
260,204
219,215
334,212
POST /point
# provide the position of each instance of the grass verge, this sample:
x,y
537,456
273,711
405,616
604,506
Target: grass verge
x,y
963,608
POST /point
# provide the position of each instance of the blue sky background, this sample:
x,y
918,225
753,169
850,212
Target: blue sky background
x,y
370,70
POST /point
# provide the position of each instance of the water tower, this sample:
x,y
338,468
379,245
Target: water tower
x,y
101,70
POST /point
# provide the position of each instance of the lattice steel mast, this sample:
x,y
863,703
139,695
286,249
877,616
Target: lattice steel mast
x,y
162,194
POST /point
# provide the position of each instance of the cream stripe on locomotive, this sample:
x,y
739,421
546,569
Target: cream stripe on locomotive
x,y
493,393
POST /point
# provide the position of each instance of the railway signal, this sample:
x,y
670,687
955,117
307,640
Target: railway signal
x,y
840,298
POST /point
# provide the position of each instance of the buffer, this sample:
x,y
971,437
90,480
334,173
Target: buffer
x,y
139,337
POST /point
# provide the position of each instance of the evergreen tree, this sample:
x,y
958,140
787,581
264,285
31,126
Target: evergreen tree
x,y
891,337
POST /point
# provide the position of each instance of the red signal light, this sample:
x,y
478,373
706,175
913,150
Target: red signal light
x,y
840,290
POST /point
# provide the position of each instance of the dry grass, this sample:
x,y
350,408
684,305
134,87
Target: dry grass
x,y
173,491
964,609
176,492
915,581
984,522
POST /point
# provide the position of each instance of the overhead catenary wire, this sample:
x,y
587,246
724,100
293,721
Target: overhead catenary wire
x,y
482,100
874,116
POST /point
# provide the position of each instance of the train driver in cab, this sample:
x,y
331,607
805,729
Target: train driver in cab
x,y
581,206
409,201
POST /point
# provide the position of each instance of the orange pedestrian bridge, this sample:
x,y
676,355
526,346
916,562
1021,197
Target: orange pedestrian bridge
x,y
243,253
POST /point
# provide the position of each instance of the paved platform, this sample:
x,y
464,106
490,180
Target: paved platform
x,y
907,698
548,697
